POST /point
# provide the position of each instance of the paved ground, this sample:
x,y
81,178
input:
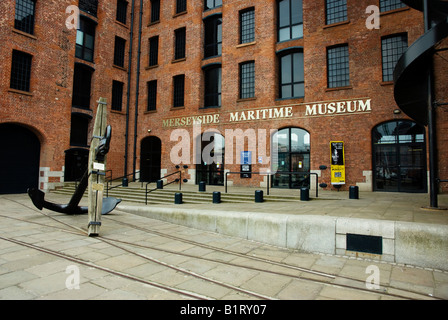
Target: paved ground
x,y
140,258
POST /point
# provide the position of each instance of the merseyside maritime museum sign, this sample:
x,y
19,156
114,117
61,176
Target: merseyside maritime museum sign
x,y
303,110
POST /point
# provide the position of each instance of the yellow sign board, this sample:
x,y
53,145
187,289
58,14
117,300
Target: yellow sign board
x,y
337,162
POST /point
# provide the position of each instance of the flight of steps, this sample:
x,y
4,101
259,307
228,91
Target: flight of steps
x,y
135,193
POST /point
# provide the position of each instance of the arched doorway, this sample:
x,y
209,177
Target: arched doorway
x,y
293,155
211,168
150,159
399,157
19,159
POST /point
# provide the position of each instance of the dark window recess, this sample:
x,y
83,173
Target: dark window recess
x,y
122,11
247,80
24,17
152,95
210,4
119,51
82,86
179,90
79,130
212,95
363,243
85,40
153,51
392,48
338,70
179,51
387,5
155,10
336,11
247,25
181,6
213,37
117,95
20,71
89,6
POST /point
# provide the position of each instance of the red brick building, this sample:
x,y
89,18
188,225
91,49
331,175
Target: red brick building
x,y
277,84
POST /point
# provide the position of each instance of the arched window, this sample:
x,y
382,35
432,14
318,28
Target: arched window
x,y
399,157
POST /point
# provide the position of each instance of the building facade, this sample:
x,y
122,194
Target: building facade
x,y
279,92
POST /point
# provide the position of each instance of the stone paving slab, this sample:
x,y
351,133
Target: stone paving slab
x,y
27,274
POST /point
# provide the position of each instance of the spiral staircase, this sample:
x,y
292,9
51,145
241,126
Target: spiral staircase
x,y
413,80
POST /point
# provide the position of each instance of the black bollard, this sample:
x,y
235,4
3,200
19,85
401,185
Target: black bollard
x,y
216,197
178,198
258,196
304,194
354,192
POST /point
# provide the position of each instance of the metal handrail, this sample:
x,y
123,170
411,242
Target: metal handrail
x,y
166,176
270,174
118,185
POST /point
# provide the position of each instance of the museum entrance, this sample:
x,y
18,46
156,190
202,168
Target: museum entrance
x,y
211,168
19,159
293,156
150,159
399,157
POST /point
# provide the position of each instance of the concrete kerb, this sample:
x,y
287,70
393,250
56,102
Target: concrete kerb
x,y
417,244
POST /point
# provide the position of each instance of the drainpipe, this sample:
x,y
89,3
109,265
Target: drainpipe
x,y
128,94
433,183
137,86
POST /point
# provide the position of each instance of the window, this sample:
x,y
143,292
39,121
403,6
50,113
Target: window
x,y
119,51
179,43
247,25
179,90
213,36
247,80
387,5
20,71
292,79
210,4
152,95
392,48
153,51
336,11
85,39
181,6
122,11
89,6
82,81
155,10
290,20
24,17
338,71
117,95
212,79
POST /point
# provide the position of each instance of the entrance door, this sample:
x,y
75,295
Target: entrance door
x,y
293,156
19,159
150,159
211,168
399,157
